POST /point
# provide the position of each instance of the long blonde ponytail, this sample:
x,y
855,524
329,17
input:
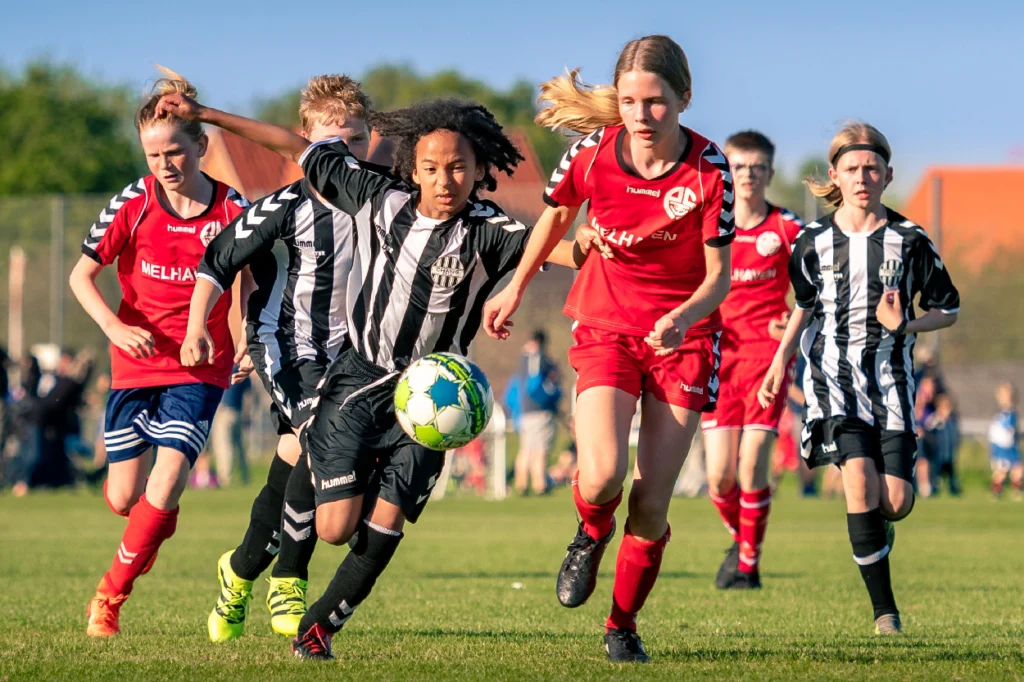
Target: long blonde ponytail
x,y
576,106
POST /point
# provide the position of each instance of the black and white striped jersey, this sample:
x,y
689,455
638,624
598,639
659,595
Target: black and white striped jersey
x,y
855,368
417,285
299,251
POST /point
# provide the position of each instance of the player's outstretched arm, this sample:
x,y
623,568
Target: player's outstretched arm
x,y
547,233
133,340
281,140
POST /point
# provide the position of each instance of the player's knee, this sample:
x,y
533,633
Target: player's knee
x,y
721,483
119,500
334,531
599,490
898,502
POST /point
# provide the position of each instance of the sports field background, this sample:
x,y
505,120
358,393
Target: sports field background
x,y
470,595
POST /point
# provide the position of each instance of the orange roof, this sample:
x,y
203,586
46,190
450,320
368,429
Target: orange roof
x,y
522,195
974,228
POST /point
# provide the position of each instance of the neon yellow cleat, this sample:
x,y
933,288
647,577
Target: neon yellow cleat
x,y
888,624
286,600
227,620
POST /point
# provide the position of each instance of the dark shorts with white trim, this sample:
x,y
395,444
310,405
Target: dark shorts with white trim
x,y
835,440
292,388
355,445
176,417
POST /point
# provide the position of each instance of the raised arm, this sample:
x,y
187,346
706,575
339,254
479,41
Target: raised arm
x,y
281,140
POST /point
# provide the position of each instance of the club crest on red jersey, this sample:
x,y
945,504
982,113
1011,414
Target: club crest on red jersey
x,y
209,231
679,201
767,244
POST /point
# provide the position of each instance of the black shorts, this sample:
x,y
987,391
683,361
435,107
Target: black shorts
x,y
355,446
833,441
292,388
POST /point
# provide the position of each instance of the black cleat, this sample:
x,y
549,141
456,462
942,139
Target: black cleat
x,y
730,565
624,646
314,645
578,576
739,580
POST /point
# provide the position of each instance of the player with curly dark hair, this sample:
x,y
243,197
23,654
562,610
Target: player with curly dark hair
x,y
427,253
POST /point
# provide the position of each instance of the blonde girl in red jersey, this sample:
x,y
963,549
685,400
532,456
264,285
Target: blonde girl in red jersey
x,y
660,196
156,230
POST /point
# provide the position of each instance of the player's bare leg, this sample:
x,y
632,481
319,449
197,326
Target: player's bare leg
x,y
722,446
151,521
659,459
369,555
868,536
603,419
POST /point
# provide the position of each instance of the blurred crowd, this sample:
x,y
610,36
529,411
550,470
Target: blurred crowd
x,y
51,431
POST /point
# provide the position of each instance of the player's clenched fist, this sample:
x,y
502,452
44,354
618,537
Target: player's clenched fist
x,y
135,341
197,348
771,384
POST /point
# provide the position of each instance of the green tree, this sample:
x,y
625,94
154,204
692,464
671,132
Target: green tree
x,y
394,86
61,133
789,190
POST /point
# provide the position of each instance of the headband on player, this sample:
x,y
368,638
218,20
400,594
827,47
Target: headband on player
x,y
877,148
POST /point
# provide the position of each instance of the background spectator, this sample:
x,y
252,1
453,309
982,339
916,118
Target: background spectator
x,y
539,395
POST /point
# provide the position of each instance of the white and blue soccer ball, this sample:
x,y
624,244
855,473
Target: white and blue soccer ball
x,y
443,401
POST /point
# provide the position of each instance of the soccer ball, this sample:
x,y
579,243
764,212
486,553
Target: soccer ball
x,y
443,401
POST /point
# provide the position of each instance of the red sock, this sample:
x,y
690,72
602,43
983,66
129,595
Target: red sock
x,y
997,488
107,500
729,509
1017,485
147,528
636,570
598,519
754,508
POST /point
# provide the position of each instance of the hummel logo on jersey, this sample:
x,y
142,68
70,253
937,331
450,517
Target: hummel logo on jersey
x,y
640,190
679,201
699,390
182,229
329,483
829,447
308,248
257,213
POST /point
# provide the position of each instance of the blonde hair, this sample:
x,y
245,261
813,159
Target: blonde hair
x,y
853,132
331,99
170,84
583,108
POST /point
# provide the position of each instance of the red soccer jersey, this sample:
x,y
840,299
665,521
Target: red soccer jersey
x,y
657,228
158,258
760,282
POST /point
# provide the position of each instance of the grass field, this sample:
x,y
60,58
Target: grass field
x,y
448,608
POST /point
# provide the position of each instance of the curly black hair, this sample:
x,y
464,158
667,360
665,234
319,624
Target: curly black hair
x,y
406,126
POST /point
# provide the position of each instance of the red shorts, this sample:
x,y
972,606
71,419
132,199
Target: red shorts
x,y
737,406
687,378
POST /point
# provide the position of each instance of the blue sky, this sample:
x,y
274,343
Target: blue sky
x,y
943,80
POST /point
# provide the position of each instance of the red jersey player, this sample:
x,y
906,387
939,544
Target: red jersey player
x,y
754,315
661,196
156,229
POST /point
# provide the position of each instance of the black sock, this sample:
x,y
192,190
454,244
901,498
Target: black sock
x,y
871,552
298,532
353,581
262,538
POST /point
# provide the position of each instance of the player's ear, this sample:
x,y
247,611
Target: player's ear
x,y
888,175
201,145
